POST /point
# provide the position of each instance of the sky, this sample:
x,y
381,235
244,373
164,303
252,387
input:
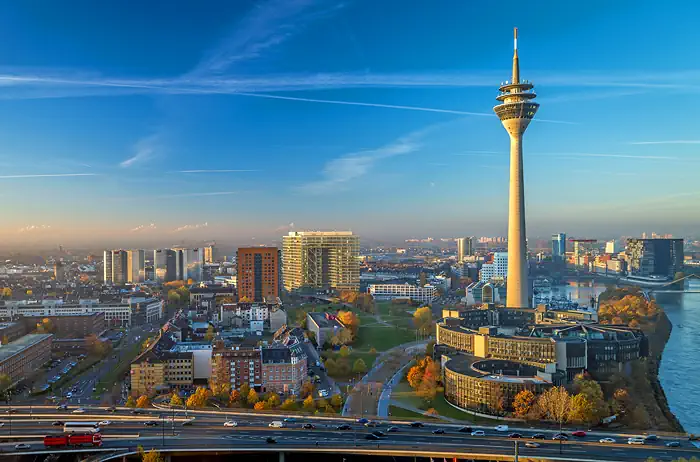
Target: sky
x,y
123,121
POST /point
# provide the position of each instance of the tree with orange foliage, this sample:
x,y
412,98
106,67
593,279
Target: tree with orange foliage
x,y
350,321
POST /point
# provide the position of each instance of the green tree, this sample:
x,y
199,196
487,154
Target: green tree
x,y
175,400
5,382
430,349
130,402
423,320
359,367
244,390
288,405
173,297
273,400
344,351
373,350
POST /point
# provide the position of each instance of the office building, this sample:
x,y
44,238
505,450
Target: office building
x,y
465,247
164,265
496,269
209,254
115,266
321,260
611,247
189,264
516,111
558,246
657,257
11,331
136,266
258,274
425,294
25,356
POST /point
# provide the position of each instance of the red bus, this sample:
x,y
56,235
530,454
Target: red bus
x,y
74,439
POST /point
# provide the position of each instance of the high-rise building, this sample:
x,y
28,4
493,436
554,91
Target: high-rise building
x,y
558,246
115,266
164,265
516,111
321,260
189,263
646,257
611,246
258,274
465,247
209,254
495,270
136,265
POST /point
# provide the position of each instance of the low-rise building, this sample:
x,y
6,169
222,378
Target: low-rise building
x,y
23,357
323,325
75,326
425,294
236,365
156,372
283,369
11,331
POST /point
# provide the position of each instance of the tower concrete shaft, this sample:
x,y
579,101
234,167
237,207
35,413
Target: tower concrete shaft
x,y
516,111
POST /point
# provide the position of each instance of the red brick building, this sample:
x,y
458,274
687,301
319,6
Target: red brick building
x,y
236,365
258,274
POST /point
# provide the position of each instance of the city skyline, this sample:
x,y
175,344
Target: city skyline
x,y
214,118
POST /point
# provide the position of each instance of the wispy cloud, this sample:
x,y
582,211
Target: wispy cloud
x,y
214,171
190,227
143,228
666,142
589,154
32,228
144,150
203,194
47,175
281,228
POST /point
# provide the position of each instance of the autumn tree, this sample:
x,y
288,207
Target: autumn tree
x,y
244,390
555,404
307,389
143,402
344,351
149,456
350,320
234,398
423,320
211,333
337,401
199,398
130,402
273,400
221,391
582,410
173,297
5,339
252,397
260,406
359,367
175,400
288,405
309,404
415,376
6,292
523,402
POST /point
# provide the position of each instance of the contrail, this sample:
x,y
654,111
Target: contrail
x,y
52,175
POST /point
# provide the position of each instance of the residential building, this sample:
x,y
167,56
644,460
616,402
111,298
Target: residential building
x,y
136,266
258,274
558,246
425,294
25,356
611,247
321,260
201,359
465,247
283,369
164,265
236,365
323,325
496,269
658,257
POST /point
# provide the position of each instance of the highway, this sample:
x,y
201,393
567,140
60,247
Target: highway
x,y
207,431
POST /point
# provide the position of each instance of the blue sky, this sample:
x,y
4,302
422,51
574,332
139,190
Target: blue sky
x,y
125,120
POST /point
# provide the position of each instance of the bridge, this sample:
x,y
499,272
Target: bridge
x,y
304,436
661,288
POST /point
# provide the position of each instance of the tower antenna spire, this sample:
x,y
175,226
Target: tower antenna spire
x,y
516,64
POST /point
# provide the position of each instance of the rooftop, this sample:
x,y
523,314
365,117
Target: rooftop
x,y
21,344
324,320
469,365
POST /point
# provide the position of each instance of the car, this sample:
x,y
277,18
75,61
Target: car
x,y
308,426
465,430
2,424
230,423
416,424
538,436
371,436
270,440
188,422
69,395
290,419
343,427
151,423
501,428
372,424
532,444
111,409
515,435
11,411
104,423
392,429
80,410
673,444
362,420
22,446
560,437
137,412
579,434
57,423
378,433
651,438
438,431
478,433
606,440
635,441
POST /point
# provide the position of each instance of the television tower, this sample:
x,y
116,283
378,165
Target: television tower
x,y
516,111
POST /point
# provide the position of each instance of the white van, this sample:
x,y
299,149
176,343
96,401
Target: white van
x,y
635,440
276,424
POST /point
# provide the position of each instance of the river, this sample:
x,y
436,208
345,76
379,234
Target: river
x,y
679,373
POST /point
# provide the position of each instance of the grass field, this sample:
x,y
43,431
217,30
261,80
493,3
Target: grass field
x,y
404,393
383,337
399,412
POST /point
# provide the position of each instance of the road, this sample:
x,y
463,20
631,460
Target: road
x,y
128,431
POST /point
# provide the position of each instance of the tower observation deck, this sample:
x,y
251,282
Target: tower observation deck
x,y
516,110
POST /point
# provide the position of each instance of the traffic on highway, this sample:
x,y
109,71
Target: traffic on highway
x,y
52,428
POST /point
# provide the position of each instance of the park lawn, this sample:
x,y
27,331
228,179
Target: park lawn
x,y
396,412
354,355
382,338
404,393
